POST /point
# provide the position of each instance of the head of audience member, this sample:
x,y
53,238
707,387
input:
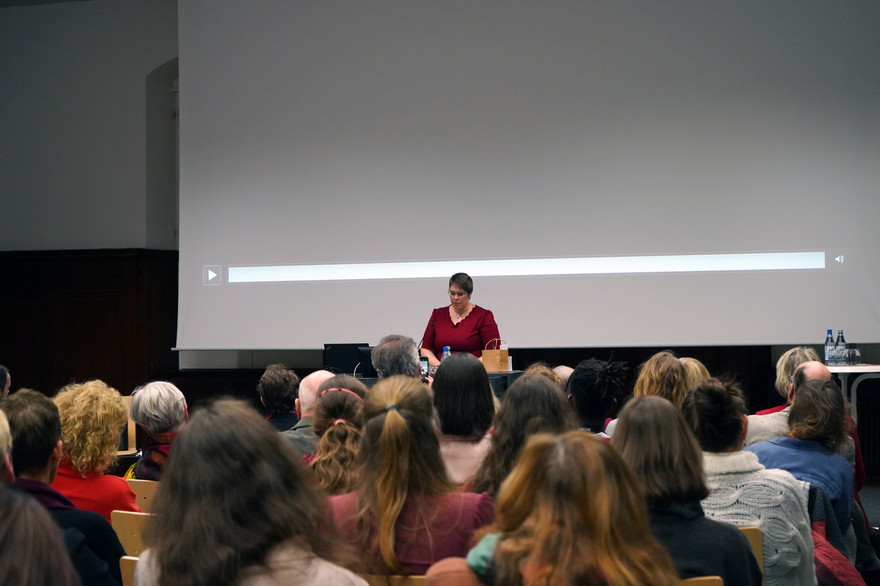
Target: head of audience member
x,y
696,372
715,411
7,474
33,549
396,354
36,433
277,389
541,369
563,372
654,439
272,502
400,456
5,381
92,419
308,392
463,396
339,421
160,408
572,513
662,375
818,414
532,404
594,388
811,370
788,364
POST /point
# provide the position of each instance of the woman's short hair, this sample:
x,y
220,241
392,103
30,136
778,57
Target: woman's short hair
x,y
33,549
662,375
696,372
400,455
463,282
788,363
158,407
338,421
463,396
572,512
655,441
714,412
818,414
531,405
234,489
92,418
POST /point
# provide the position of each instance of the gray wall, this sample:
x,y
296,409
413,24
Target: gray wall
x,y
87,127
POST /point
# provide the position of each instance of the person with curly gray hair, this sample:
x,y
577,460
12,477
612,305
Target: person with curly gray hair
x,y
160,409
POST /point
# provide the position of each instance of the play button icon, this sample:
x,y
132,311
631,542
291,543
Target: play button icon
x,y
211,275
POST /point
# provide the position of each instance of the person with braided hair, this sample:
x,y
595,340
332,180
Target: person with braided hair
x,y
339,422
404,513
594,388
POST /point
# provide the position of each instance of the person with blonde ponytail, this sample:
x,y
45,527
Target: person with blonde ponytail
x,y
339,422
404,513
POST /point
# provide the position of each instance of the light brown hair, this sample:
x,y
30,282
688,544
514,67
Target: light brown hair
x,y
662,375
92,418
817,414
338,421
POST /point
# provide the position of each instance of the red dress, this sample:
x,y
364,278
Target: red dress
x,y
470,335
100,493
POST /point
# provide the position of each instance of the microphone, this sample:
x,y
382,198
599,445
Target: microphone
x,y
430,325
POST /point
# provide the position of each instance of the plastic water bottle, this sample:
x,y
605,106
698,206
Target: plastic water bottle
x,y
446,353
840,353
829,348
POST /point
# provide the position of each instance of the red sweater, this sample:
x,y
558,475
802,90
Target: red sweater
x,y
97,492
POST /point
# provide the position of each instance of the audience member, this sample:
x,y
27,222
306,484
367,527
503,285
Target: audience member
x,y
464,401
160,409
541,368
301,435
742,491
5,382
563,372
339,422
662,375
531,405
570,513
653,438
237,506
278,390
405,514
594,388
697,373
36,432
92,419
816,430
32,552
785,368
396,354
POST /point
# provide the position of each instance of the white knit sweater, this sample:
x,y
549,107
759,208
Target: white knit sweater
x,y
743,493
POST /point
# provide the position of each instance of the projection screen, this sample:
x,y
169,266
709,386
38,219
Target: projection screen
x,y
610,173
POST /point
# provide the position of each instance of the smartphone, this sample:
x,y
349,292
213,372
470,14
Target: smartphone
x,y
423,362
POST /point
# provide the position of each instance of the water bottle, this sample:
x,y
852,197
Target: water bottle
x,y
446,353
829,348
840,353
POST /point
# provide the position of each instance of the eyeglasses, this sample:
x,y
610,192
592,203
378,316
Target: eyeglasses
x,y
457,294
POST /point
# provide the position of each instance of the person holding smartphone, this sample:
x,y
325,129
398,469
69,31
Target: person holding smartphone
x,y
461,325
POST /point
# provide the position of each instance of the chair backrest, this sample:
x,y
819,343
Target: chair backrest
x,y
131,430
753,534
704,581
127,565
129,527
143,492
380,580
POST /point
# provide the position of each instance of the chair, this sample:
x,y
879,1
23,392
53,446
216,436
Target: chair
x,y
704,581
131,430
753,534
143,491
129,527
127,565
380,580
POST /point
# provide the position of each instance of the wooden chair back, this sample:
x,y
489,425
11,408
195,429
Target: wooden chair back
x,y
380,580
127,565
131,430
144,490
753,534
129,527
704,581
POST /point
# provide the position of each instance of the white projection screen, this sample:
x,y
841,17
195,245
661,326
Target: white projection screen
x,y
611,173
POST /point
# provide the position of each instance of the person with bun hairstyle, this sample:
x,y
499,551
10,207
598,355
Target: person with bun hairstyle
x,y
570,513
338,421
742,491
653,438
404,513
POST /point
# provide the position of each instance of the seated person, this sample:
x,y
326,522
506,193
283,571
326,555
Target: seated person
x,y
160,409
339,422
594,388
278,391
404,513
92,419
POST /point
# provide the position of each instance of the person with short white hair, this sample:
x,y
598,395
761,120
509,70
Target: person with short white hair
x,y
301,435
160,409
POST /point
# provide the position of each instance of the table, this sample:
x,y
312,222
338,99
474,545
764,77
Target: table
x,y
861,372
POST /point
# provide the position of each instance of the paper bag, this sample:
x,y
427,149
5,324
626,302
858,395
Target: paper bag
x,y
495,358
